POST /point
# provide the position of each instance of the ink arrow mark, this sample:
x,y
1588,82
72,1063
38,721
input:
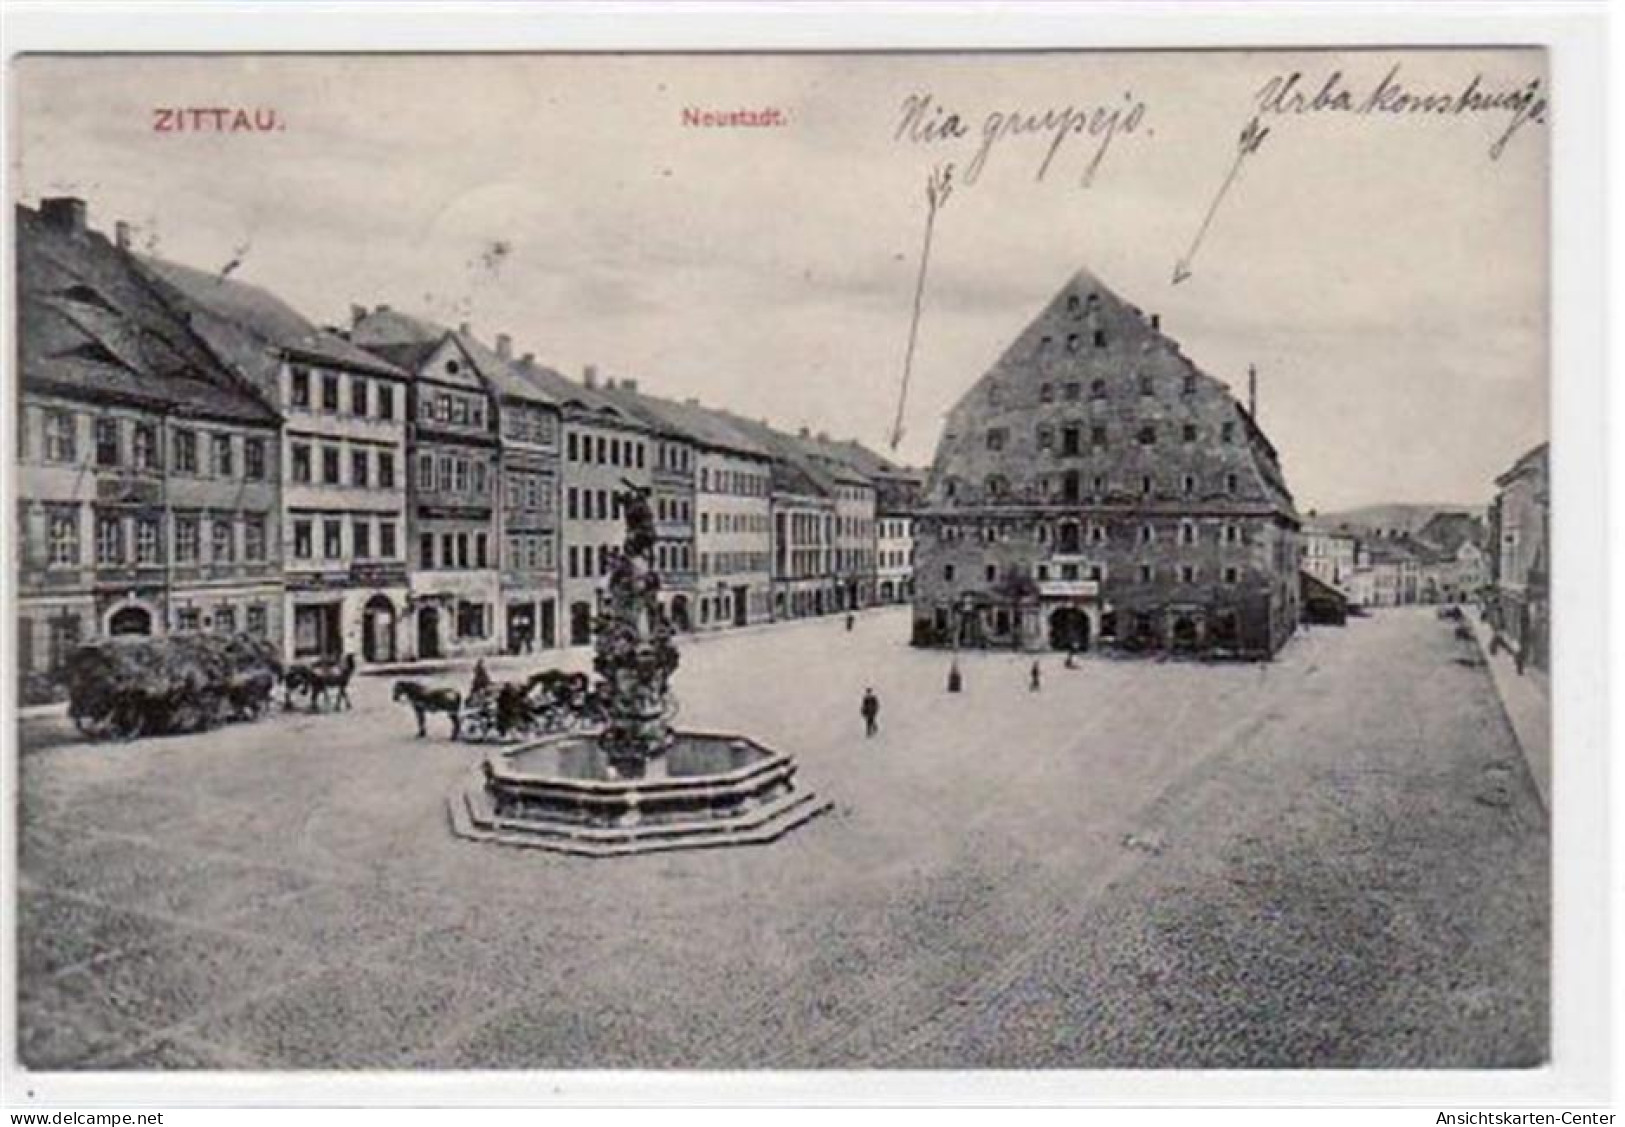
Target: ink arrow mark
x,y
1251,137
938,186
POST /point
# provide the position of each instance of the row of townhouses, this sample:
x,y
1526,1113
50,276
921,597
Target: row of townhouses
x,y
195,455
1445,560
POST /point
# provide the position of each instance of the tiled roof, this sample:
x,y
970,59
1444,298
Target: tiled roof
x,y
690,421
90,325
263,317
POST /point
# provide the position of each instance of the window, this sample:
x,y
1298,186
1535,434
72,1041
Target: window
x,y
1188,483
332,538
1146,386
1097,436
358,468
257,623
445,473
361,538
426,551
106,442
572,499
947,572
301,463
1187,573
1046,438
186,619
1097,534
481,550
1231,575
1097,389
223,545
995,438
330,465
1145,573
1189,385
573,556
1070,437
386,469
991,572
997,486
1230,482
144,446
1187,533
386,401
358,396
1100,338
299,386
220,456
185,460
1147,435
254,459
470,620
460,475
1072,342
186,539
1148,534
571,450
304,546
476,414
386,539
1228,432
148,548
109,539
1232,534
1046,393
63,532
462,549
426,473
254,538
1188,432
330,392
59,443
225,620
480,482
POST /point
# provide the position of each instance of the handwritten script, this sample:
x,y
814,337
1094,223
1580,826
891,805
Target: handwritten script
x,y
1292,94
922,121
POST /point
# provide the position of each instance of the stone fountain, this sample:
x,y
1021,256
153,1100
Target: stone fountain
x,y
637,785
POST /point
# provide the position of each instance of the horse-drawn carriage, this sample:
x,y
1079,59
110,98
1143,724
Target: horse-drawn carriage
x,y
129,687
492,711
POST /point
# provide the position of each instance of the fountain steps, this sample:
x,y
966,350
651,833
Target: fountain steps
x,y
472,817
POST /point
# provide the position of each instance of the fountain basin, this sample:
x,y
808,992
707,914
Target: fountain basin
x,y
562,793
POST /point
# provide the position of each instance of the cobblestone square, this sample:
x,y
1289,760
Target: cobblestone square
x,y
1334,860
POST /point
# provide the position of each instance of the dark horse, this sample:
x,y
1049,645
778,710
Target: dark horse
x,y
425,700
317,680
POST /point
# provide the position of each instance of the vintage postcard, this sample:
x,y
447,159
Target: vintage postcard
x,y
858,560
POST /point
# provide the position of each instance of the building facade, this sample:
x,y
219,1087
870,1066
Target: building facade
x,y
1096,486
343,456
147,472
453,474
1328,555
1520,606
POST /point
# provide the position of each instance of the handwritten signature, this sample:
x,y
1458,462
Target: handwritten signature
x,y
924,122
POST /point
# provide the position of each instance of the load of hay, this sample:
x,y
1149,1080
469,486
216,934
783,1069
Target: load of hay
x,y
129,687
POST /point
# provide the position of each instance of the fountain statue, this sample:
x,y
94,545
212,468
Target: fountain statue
x,y
634,654
638,784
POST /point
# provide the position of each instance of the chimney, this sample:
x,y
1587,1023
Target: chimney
x,y
823,436
358,314
65,213
804,432
1252,392
121,235
609,384
589,375
465,328
505,346
630,385
1156,321
527,361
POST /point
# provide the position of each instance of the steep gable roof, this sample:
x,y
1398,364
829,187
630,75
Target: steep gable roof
x,y
90,325
1088,338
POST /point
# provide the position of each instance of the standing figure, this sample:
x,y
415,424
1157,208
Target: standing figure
x,y
1035,679
850,618
481,682
871,712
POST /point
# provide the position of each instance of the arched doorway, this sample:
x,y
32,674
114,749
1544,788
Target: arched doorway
x,y
378,629
679,613
130,621
429,632
885,591
1184,633
1069,629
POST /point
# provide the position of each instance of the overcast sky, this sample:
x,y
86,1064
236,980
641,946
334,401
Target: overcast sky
x,y
1385,274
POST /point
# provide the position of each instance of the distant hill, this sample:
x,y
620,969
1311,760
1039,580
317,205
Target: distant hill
x,y
1399,518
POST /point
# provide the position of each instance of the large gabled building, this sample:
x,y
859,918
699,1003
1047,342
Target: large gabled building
x,y
1096,486
147,471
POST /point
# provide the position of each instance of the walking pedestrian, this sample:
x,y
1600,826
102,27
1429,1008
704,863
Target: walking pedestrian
x,y
1071,658
871,712
1035,679
850,619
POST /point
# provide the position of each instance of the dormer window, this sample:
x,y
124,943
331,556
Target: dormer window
x,y
1097,389
1190,383
1072,304
996,437
1146,386
1100,338
1046,393
1228,432
453,367
1044,345
1072,342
